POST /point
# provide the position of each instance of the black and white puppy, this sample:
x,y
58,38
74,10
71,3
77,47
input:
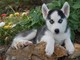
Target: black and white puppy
x,y
55,31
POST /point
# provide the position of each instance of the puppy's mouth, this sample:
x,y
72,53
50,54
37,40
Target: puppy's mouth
x,y
56,33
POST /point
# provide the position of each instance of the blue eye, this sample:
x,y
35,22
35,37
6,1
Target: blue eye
x,y
60,21
51,21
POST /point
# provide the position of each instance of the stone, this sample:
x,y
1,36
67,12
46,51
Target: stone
x,y
34,52
2,52
77,51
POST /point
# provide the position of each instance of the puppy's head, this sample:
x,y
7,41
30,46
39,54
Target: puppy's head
x,y
56,20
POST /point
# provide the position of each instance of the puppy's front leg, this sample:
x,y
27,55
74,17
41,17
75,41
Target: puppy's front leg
x,y
50,44
69,46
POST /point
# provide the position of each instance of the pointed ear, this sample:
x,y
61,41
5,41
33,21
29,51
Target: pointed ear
x,y
66,9
44,11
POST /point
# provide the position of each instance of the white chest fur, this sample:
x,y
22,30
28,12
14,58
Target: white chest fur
x,y
59,38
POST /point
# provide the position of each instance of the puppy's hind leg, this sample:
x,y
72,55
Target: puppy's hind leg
x,y
24,38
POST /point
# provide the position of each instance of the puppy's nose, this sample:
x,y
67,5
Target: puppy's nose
x,y
57,31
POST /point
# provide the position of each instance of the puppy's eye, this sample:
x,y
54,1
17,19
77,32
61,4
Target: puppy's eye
x,y
51,21
60,21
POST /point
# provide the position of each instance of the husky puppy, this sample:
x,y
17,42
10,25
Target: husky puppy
x,y
55,31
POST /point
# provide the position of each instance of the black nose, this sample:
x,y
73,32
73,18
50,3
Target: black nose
x,y
56,31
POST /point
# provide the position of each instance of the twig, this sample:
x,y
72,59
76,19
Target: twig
x,y
12,8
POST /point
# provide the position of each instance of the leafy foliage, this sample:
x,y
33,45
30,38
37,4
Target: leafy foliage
x,y
18,5
33,20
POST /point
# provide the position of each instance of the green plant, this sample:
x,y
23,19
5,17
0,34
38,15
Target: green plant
x,y
33,20
17,5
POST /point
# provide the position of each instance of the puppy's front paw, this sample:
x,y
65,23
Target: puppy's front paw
x,y
49,51
70,51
